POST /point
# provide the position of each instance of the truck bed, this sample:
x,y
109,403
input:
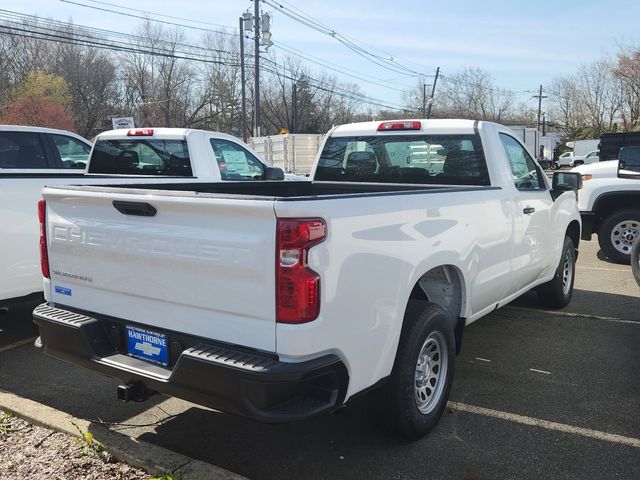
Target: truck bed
x,y
304,190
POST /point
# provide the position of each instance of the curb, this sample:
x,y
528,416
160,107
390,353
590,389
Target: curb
x,y
152,458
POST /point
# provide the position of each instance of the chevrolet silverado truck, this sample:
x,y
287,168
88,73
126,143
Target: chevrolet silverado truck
x,y
282,300
32,157
610,206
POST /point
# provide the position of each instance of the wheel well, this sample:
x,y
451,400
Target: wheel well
x,y
610,202
573,231
443,286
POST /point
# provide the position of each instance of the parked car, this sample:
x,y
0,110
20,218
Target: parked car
x,y
32,157
362,279
591,157
565,160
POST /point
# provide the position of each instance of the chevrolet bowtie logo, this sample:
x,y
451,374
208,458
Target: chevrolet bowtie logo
x,y
147,348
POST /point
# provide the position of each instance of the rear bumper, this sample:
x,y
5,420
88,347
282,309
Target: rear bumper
x,y
588,224
223,377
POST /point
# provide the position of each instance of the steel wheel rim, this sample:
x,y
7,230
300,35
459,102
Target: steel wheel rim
x,y
567,272
430,372
623,235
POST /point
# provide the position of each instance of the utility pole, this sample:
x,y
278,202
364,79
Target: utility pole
x,y
294,107
433,91
242,81
256,20
424,100
539,97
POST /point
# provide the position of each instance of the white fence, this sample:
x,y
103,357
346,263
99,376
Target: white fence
x,y
294,153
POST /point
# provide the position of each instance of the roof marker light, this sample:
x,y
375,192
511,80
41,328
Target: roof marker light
x,y
140,132
405,125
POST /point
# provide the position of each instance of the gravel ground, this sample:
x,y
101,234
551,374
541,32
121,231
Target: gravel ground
x,y
28,451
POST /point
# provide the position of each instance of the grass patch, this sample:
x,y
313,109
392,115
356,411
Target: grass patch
x,y
90,446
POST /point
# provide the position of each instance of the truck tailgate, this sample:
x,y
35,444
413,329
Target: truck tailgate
x,y
200,266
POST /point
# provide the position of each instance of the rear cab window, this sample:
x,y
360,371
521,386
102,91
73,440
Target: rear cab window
x,y
421,159
22,150
141,156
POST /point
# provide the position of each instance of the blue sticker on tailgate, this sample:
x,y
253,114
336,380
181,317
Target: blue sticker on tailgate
x,y
146,345
62,290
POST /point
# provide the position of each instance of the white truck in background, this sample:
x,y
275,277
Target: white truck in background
x,y
610,206
294,153
582,147
282,300
31,158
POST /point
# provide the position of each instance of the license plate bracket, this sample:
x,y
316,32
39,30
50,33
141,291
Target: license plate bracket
x,y
147,345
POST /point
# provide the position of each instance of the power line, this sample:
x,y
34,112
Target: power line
x,y
335,67
23,32
166,22
82,31
384,62
339,91
68,39
127,7
373,47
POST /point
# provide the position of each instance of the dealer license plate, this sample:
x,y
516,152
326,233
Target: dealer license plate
x,y
147,345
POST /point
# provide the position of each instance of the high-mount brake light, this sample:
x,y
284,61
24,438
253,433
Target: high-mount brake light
x,y
407,125
297,286
140,132
44,255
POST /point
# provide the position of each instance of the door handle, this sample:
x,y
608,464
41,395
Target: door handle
x,y
140,209
528,210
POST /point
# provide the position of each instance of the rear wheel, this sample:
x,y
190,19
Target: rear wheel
x,y
617,234
414,398
557,292
635,260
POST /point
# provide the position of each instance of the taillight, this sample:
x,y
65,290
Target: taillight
x,y
140,132
44,256
297,286
402,125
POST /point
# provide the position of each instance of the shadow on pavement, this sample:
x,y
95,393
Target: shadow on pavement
x,y
349,444
585,302
16,323
27,372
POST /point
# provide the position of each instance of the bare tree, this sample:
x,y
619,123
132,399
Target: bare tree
x,y
589,102
469,93
92,79
627,69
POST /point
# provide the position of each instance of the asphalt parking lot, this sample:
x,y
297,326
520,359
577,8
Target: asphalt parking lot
x,y
537,394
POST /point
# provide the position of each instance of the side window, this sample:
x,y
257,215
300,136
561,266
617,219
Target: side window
x,y
523,169
21,150
73,152
236,163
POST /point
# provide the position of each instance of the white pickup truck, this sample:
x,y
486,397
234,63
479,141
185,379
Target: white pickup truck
x,y
281,300
610,207
31,158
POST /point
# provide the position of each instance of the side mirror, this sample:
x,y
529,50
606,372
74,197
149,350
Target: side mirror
x,y
565,181
273,173
629,163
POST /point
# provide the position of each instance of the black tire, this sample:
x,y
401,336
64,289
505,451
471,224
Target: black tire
x,y
624,226
635,260
557,292
425,325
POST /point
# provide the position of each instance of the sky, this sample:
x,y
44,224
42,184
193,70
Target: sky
x,y
521,44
